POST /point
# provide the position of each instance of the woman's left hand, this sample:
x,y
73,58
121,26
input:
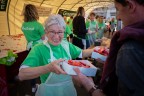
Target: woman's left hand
x,y
81,79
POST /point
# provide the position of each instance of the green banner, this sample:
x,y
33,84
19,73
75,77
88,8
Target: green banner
x,y
66,13
3,5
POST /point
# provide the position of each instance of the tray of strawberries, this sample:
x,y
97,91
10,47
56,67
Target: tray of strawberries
x,y
100,53
78,63
84,66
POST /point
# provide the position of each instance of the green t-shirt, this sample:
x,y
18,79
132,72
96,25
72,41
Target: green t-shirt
x,y
67,32
33,31
102,28
91,25
101,25
70,24
40,55
87,24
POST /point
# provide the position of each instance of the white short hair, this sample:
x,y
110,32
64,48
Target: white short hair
x,y
55,19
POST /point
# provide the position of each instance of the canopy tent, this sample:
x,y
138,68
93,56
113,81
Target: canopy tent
x,y
89,5
12,19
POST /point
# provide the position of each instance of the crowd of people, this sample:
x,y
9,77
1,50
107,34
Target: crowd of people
x,y
83,32
123,70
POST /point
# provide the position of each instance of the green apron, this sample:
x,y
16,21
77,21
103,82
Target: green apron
x,y
57,85
92,36
101,27
31,44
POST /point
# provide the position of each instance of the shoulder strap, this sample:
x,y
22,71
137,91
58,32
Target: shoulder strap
x,y
65,45
51,52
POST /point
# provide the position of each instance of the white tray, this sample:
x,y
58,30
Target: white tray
x,y
86,71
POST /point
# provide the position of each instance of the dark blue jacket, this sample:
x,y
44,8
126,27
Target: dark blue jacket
x,y
130,69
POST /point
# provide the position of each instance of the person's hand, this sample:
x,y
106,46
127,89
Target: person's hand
x,y
55,67
98,92
87,82
92,32
89,31
100,61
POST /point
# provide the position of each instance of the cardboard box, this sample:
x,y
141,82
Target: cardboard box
x,y
86,71
100,52
96,55
97,42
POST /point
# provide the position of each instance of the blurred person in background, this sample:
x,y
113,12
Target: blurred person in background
x,y
119,24
97,17
70,23
32,29
101,28
65,18
92,28
79,29
68,35
112,27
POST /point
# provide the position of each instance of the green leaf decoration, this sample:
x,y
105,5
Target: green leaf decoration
x,y
9,59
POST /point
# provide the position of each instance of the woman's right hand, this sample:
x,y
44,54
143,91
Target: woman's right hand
x,y
100,61
55,67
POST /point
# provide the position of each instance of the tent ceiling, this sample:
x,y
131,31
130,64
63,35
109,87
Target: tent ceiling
x,y
15,10
73,5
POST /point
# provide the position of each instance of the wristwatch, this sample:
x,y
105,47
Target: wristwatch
x,y
92,90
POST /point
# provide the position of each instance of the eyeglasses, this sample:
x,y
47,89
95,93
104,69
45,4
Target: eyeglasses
x,y
52,33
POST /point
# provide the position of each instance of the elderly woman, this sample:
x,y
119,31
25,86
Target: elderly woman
x,y
43,60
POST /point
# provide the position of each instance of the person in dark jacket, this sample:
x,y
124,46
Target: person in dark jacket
x,y
79,29
124,68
